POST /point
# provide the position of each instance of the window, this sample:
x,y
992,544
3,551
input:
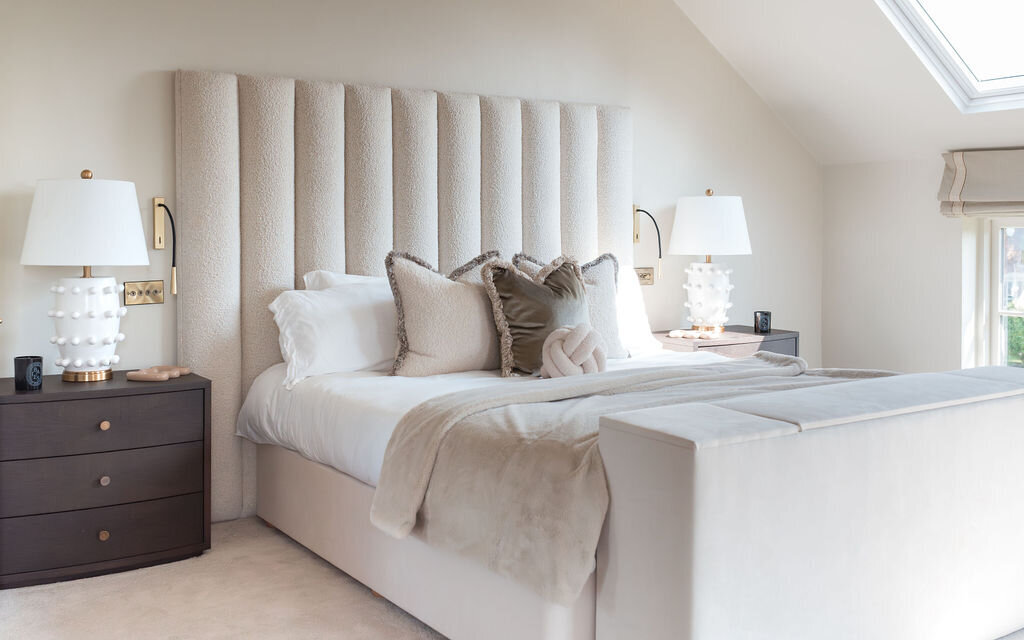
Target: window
x,y
972,48
1008,297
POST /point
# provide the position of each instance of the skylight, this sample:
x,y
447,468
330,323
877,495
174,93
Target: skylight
x,y
972,47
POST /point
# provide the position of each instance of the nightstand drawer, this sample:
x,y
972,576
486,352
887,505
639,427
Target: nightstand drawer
x,y
46,485
733,350
35,543
787,347
69,427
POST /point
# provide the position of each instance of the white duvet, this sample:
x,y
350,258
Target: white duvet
x,y
344,420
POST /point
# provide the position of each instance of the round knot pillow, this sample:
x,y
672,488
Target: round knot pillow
x,y
570,351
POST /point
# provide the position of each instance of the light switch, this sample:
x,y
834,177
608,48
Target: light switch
x,y
645,275
147,292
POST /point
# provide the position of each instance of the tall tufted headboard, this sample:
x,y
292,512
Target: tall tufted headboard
x,y
277,177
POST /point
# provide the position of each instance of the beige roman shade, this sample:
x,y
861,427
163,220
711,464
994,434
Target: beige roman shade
x,y
983,183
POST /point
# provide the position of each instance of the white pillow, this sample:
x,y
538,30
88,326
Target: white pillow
x,y
348,327
323,279
634,327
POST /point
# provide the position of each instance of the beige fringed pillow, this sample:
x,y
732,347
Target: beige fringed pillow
x,y
601,277
445,323
528,308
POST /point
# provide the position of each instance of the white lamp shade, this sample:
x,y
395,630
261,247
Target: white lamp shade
x,y
84,223
709,225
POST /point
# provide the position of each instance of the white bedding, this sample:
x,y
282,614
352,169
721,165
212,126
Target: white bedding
x,y
344,420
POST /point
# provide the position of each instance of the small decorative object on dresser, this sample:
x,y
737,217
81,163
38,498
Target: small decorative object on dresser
x,y
159,373
97,478
737,341
28,373
762,322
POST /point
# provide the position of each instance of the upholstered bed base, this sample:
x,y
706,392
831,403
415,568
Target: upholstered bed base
x,y
887,508
328,512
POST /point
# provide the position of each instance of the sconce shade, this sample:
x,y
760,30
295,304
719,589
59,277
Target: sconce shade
x,y
84,223
709,225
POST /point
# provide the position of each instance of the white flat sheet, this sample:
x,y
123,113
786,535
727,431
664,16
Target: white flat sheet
x,y
344,420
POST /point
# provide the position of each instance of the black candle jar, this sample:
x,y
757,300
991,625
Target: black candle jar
x,y
28,373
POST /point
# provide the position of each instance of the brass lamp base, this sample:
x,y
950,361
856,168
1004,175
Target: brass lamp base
x,y
707,329
87,376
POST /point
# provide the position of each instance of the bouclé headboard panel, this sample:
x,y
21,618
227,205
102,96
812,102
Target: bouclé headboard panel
x,y
277,177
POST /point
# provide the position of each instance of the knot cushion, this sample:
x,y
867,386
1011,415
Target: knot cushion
x,y
570,351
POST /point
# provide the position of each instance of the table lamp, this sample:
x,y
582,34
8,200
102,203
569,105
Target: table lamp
x,y
709,225
84,223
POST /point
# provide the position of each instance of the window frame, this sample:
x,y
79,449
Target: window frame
x,y
993,286
968,93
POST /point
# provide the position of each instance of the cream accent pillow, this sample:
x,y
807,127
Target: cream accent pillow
x,y
600,277
445,324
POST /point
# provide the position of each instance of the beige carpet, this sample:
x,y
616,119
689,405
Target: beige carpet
x,y
254,583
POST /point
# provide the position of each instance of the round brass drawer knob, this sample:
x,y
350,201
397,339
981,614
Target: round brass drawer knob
x,y
104,481
104,535
105,425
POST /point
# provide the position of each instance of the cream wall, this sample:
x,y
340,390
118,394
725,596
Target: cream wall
x,y
893,268
90,85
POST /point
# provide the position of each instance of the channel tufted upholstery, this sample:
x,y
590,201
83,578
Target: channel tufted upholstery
x,y
277,177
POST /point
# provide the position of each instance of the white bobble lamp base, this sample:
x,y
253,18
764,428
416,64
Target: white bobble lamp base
x,y
707,291
87,316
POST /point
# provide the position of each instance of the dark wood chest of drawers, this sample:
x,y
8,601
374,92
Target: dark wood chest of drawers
x,y
98,477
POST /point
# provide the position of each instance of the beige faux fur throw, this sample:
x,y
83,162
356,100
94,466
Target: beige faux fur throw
x,y
515,480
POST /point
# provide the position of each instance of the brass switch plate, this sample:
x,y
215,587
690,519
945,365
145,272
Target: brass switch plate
x,y
645,275
144,292
158,223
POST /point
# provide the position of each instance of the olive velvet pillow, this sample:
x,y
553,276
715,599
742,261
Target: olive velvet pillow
x,y
600,276
527,309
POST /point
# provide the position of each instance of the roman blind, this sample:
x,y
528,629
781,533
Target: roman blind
x,y
982,183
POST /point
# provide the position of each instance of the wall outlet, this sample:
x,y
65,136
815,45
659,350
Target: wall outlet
x,y
144,292
158,223
645,275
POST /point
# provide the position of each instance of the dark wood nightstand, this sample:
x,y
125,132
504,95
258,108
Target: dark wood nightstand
x,y
737,341
97,477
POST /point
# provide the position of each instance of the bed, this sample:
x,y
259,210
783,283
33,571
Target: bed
x,y
854,510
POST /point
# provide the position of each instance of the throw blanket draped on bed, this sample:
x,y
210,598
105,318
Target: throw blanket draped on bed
x,y
514,478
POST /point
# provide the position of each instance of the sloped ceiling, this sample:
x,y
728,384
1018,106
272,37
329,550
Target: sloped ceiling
x,y
842,78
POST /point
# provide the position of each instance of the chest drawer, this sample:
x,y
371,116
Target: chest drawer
x,y
69,427
36,543
45,485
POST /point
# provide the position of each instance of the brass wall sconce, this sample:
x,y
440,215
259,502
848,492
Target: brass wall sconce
x,y
646,274
159,209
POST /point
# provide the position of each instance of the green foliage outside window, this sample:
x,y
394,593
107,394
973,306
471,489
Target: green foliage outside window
x,y
1015,342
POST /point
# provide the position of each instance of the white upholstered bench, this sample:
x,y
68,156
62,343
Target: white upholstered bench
x,y
885,508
